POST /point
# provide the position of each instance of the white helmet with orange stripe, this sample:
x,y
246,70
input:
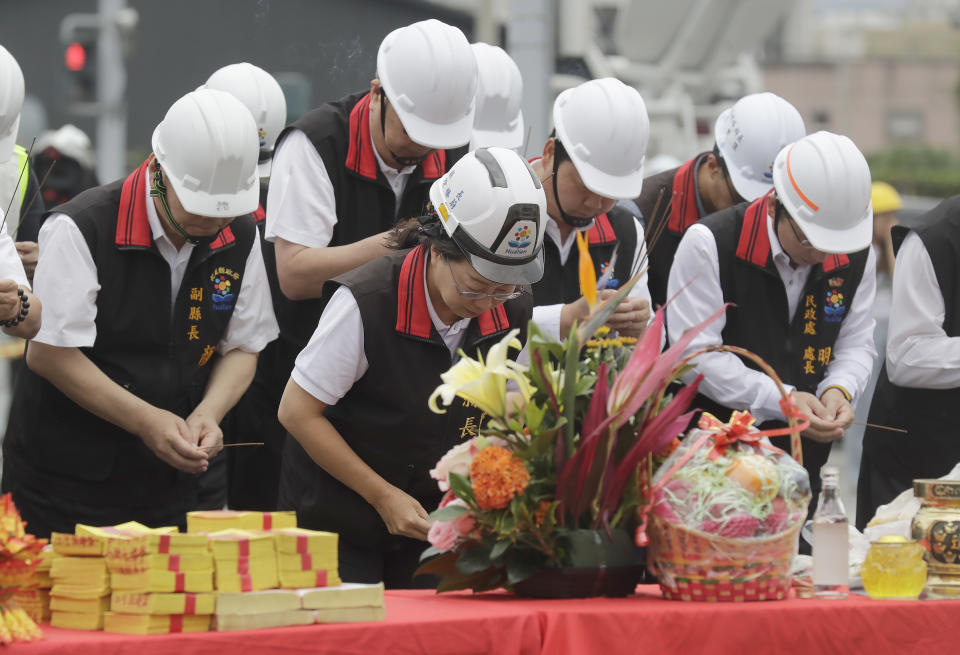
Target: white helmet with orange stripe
x,y
823,181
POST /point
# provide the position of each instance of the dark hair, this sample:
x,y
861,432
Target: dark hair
x,y
424,231
559,151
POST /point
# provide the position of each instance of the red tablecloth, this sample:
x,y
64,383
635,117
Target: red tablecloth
x,y
499,623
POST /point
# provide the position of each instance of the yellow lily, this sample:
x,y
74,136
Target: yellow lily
x,y
483,384
588,275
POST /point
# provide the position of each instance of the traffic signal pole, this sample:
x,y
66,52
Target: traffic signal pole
x,y
111,93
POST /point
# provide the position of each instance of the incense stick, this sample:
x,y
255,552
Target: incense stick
x,y
880,427
233,445
16,189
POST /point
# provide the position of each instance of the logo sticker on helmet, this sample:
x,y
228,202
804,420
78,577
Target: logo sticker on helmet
x,y
520,240
263,136
444,214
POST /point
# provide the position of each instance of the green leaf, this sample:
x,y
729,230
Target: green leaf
x,y
570,387
534,416
521,564
448,513
498,550
474,559
461,487
431,552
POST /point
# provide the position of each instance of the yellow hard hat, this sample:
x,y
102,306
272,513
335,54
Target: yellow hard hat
x,y
885,198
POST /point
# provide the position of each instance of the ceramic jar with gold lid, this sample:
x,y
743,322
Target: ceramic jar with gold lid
x,y
937,528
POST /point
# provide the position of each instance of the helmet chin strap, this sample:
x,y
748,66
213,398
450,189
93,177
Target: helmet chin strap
x,y
403,161
572,221
159,190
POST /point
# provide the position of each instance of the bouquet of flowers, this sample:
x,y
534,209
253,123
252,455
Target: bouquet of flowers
x,y
560,453
19,558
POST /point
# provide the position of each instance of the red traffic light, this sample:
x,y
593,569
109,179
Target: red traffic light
x,y
75,57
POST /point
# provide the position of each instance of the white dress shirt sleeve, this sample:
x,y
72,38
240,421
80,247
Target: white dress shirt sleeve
x,y
67,284
727,380
11,268
919,352
854,351
301,204
334,359
252,324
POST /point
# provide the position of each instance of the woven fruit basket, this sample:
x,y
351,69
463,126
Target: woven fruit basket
x,y
724,511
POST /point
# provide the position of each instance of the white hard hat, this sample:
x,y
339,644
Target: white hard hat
x,y
429,74
823,181
492,205
11,102
207,146
262,95
70,141
604,127
498,121
750,134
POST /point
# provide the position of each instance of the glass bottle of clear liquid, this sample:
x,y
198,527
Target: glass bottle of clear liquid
x,y
831,572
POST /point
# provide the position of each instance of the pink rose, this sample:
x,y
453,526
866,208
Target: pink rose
x,y
442,535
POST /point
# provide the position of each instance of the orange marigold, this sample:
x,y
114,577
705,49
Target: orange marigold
x,y
497,476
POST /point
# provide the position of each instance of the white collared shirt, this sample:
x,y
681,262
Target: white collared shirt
x,y
66,276
547,317
919,352
11,268
727,380
334,359
301,203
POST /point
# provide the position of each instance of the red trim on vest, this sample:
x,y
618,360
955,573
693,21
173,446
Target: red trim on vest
x,y
683,204
260,214
413,317
601,232
360,156
225,238
133,228
493,321
754,243
834,262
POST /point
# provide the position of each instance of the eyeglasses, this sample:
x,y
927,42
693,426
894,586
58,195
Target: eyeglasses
x,y
478,295
801,239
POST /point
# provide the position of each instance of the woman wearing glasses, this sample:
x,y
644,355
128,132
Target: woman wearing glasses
x,y
364,439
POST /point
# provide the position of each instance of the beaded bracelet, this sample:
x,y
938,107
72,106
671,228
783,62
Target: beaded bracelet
x,y
24,310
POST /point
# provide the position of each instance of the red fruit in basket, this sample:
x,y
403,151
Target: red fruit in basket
x,y
778,519
737,526
665,511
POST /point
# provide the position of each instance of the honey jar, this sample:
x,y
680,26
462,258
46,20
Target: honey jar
x,y
894,568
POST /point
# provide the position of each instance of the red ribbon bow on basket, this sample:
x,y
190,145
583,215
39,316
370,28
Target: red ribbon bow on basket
x,y
739,428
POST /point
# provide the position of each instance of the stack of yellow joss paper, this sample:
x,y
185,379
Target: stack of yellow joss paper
x,y
81,587
244,560
306,558
217,520
162,580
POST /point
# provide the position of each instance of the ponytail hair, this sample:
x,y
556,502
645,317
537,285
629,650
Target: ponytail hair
x,y
424,231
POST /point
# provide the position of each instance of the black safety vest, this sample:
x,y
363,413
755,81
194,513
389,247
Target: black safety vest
x,y
669,196
163,358
800,348
931,447
561,282
365,201
384,417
